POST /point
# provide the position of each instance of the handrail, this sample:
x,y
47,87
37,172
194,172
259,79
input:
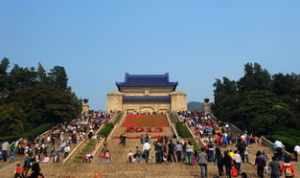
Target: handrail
x,y
270,144
75,150
198,141
264,140
118,120
172,126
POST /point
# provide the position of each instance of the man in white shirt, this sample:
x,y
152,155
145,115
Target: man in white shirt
x,y
278,144
67,150
5,149
146,151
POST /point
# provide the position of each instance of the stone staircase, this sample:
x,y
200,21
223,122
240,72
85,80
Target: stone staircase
x,y
120,168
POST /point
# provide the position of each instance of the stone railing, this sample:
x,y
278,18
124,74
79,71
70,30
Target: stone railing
x,y
175,118
264,141
172,124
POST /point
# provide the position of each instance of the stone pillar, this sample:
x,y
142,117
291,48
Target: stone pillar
x,y
85,107
178,101
114,102
206,106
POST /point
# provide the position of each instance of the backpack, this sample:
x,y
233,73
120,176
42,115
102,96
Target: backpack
x,y
234,172
288,171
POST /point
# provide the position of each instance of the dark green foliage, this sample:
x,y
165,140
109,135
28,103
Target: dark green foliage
x,y
31,100
183,131
37,131
290,137
106,129
260,103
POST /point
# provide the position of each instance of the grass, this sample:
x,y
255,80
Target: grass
x,y
106,129
88,148
182,130
91,144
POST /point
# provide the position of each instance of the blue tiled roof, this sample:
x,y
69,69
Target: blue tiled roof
x,y
162,99
161,80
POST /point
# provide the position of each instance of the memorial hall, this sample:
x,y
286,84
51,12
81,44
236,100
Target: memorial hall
x,y
146,94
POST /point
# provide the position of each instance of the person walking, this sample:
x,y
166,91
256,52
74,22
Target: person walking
x,y
275,168
237,161
228,164
219,161
146,151
260,163
203,163
189,153
288,169
5,151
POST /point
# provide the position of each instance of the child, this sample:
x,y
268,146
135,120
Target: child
x,y
131,157
19,171
88,158
107,156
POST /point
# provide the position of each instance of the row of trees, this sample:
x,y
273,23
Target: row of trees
x,y
261,103
32,100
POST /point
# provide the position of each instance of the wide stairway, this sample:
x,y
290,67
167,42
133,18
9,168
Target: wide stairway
x,y
120,168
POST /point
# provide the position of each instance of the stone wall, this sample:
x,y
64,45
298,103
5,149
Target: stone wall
x,y
146,107
178,101
114,102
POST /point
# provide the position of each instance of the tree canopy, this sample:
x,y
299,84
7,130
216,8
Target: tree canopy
x,y
32,100
261,103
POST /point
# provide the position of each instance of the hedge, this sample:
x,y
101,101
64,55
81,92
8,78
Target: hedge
x,y
31,134
183,131
106,129
289,137
37,131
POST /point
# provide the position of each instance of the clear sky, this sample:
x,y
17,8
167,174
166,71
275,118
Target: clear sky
x,y
195,41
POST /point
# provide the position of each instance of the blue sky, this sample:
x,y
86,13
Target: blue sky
x,y
195,41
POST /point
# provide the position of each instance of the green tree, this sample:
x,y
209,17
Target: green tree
x,y
41,73
31,101
58,77
259,102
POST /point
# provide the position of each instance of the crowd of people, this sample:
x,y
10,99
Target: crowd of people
x,y
228,151
215,135
52,146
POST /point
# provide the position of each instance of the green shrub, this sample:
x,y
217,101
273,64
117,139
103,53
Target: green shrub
x,y
106,129
289,137
9,138
183,131
37,131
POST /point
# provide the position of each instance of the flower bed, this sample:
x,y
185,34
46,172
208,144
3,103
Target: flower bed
x,y
145,121
147,130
